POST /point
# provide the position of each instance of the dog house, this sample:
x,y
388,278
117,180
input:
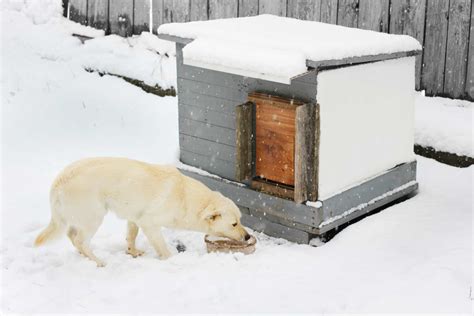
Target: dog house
x,y
304,125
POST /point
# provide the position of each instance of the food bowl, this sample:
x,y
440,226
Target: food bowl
x,y
216,244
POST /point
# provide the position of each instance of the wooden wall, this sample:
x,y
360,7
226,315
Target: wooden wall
x,y
446,67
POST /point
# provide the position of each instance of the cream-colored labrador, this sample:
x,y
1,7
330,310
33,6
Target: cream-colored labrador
x,y
148,196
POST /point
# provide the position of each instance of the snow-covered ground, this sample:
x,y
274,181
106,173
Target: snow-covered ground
x,y
412,257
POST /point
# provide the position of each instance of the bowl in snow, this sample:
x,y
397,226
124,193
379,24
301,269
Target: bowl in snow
x,y
217,244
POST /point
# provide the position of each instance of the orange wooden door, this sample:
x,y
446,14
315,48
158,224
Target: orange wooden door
x,y
275,139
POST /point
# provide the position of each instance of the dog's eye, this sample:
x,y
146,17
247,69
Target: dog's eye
x,y
235,224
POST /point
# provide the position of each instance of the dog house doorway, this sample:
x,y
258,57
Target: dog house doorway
x,y
277,142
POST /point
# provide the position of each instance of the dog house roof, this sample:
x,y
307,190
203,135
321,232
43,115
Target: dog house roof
x,y
278,48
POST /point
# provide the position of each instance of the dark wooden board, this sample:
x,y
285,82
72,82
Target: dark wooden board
x,y
248,7
305,9
222,9
470,63
373,15
141,16
78,11
157,14
244,141
98,14
348,13
275,7
329,11
176,11
121,17
199,10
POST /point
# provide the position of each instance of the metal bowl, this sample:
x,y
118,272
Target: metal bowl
x,y
228,245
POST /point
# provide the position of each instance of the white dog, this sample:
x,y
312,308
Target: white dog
x,y
148,196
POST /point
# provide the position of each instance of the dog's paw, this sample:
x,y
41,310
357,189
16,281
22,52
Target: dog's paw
x,y
165,255
135,252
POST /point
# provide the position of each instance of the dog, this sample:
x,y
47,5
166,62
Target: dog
x,y
148,196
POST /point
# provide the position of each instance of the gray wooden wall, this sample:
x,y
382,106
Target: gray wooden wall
x,y
446,67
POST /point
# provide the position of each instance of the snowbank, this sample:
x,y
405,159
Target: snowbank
x,y
276,48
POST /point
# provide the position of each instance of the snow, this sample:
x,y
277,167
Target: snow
x,y
367,113
445,124
413,257
276,48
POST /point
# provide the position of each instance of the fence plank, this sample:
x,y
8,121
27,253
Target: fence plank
x,y
98,14
348,13
121,17
305,9
78,11
248,7
457,48
222,9
373,15
408,17
176,11
157,14
434,53
141,16
199,10
275,7
329,11
470,62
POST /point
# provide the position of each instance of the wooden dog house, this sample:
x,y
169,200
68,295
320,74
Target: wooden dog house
x,y
304,125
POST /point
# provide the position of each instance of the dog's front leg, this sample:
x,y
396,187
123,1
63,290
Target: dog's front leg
x,y
157,241
132,232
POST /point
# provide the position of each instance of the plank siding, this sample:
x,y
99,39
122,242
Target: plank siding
x,y
221,9
305,9
275,7
176,11
98,14
208,163
78,11
121,17
199,10
329,11
470,64
206,147
434,53
348,13
408,17
141,16
373,15
206,115
248,7
157,14
457,48
207,131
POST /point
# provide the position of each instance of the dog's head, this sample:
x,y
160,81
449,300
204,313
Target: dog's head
x,y
222,218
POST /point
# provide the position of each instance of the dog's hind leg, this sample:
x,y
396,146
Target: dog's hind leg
x,y
81,240
132,232
157,241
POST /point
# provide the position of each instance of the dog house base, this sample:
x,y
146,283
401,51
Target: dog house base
x,y
300,223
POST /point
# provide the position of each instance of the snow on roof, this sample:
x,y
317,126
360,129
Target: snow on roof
x,y
277,48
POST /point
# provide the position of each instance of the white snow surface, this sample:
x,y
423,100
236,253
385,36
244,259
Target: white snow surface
x,y
276,48
412,257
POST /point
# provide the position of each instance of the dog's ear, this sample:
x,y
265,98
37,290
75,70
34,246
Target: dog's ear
x,y
210,213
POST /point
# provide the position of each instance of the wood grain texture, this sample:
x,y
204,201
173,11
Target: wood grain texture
x,y
408,17
176,11
457,48
275,141
434,52
199,10
248,7
470,62
141,16
157,14
275,7
348,13
78,11
273,188
222,9
98,14
373,15
305,9
244,142
329,11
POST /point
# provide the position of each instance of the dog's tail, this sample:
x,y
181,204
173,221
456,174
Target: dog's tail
x,y
51,232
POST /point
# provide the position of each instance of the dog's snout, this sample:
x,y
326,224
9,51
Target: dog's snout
x,y
247,236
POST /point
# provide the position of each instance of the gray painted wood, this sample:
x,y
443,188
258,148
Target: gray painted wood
x,y
222,168
207,102
408,17
141,17
470,64
373,15
199,10
121,17
244,142
434,52
367,191
222,9
207,131
348,13
98,14
157,14
248,7
176,11
306,153
305,9
457,48
203,88
78,11
206,115
205,147
329,11
275,7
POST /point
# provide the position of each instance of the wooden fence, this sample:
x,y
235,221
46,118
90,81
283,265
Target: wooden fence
x,y
446,67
